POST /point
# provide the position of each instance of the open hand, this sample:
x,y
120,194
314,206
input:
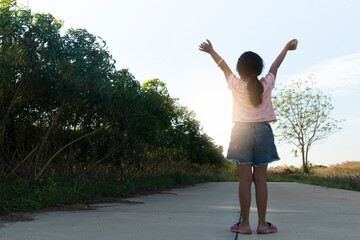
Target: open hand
x,y
292,45
206,46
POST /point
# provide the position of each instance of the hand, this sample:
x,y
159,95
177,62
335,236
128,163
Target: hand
x,y
292,45
206,47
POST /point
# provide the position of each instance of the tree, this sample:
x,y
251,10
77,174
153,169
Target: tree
x,y
304,116
66,110
53,92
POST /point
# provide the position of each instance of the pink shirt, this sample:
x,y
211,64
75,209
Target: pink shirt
x,y
243,110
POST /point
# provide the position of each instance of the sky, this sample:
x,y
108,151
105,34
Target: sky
x,y
160,39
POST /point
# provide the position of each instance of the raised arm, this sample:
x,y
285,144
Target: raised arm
x,y
288,47
207,47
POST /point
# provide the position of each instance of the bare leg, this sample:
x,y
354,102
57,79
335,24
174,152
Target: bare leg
x,y
245,181
261,195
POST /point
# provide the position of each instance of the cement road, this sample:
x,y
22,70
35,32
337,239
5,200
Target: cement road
x,y
204,211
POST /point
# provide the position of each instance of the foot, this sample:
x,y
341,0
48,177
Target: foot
x,y
266,228
241,227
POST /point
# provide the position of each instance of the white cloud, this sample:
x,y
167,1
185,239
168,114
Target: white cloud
x,y
337,76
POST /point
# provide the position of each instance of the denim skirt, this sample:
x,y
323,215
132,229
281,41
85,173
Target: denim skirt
x,y
252,143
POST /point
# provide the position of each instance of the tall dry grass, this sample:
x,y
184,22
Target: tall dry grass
x,y
344,175
345,168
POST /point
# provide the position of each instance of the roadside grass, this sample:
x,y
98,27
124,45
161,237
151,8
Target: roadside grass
x,y
65,192
345,175
342,176
18,195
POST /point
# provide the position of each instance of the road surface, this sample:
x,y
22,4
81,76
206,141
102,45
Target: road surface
x,y
204,211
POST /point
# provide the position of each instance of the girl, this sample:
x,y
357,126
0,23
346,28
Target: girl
x,y
252,145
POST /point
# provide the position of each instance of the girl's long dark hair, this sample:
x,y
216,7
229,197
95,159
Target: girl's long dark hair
x,y
250,66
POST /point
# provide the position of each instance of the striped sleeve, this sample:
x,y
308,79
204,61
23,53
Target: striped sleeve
x,y
230,81
269,81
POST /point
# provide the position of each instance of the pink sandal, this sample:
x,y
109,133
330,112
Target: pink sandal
x,y
235,228
272,229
